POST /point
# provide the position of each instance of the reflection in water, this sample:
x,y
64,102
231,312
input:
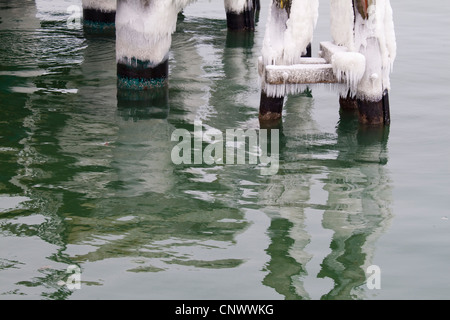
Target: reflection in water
x,y
358,207
285,198
357,210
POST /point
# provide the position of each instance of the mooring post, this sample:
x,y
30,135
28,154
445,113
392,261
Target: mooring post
x,y
285,43
241,14
99,14
370,33
143,39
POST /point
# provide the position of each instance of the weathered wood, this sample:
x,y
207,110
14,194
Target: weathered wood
x,y
300,74
139,75
348,103
245,20
270,107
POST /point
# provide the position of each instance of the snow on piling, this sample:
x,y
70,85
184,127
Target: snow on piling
x,y
143,39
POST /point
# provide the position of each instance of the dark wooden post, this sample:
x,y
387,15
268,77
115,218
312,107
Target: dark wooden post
x,y
241,19
98,15
271,108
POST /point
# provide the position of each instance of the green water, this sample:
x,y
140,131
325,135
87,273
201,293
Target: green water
x,y
88,180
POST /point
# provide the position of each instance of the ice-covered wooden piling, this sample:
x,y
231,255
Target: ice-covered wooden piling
x,y
143,39
289,31
359,59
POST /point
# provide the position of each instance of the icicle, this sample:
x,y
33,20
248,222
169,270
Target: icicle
x,y
287,38
349,67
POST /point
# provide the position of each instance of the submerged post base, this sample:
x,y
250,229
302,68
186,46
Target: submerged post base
x,y
348,104
375,113
141,75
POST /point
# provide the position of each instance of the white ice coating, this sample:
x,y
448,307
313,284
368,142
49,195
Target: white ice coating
x,y
341,23
102,5
237,6
368,46
349,67
144,28
286,39
373,37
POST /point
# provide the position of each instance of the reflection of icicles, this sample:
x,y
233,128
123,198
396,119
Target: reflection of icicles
x,y
190,58
284,200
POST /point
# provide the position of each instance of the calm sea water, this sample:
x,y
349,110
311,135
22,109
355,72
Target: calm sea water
x,y
87,180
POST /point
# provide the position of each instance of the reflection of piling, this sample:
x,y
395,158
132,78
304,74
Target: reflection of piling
x,y
358,206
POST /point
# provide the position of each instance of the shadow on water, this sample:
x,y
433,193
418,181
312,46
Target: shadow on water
x,y
349,167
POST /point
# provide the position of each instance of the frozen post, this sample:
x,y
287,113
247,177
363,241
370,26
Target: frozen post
x,y
143,38
288,36
241,14
366,29
99,14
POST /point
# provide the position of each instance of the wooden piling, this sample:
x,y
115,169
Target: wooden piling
x,y
98,16
270,107
371,112
374,112
245,20
141,75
